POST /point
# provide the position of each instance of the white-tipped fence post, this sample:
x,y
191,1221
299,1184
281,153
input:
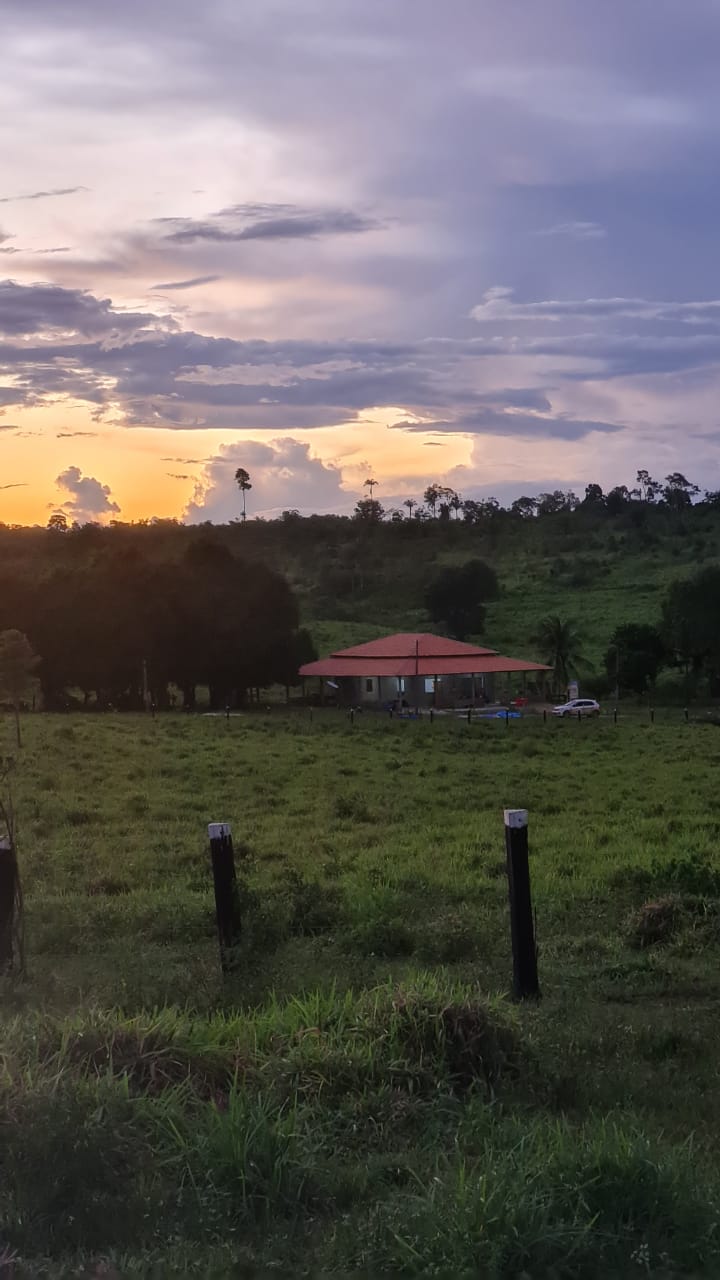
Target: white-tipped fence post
x,y
227,899
8,889
522,930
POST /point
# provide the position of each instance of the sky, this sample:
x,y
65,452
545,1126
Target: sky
x,y
469,243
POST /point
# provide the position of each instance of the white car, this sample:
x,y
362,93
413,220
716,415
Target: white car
x,y
578,706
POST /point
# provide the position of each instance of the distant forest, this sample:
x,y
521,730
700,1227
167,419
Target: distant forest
x,y
156,609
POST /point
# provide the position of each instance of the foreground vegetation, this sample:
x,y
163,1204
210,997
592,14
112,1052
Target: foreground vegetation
x,y
361,1095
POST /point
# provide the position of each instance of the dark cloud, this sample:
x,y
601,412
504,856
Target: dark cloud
x,y
9,426
26,310
19,484
43,195
178,475
185,284
496,422
267,222
73,435
497,305
88,499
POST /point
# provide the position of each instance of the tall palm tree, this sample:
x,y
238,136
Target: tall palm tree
x,y
370,484
410,503
561,646
243,483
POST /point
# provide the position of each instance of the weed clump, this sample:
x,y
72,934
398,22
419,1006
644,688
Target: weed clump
x,y
654,923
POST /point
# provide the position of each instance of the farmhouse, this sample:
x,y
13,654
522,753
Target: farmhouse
x,y
423,670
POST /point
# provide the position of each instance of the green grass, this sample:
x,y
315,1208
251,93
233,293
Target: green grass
x,y
361,1097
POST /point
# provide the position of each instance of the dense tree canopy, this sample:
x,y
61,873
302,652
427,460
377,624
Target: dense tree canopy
x,y
456,597
207,618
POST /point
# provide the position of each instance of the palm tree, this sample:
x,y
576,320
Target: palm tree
x,y
410,503
243,483
370,484
455,504
561,646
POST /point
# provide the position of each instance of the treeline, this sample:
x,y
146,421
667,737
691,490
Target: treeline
x,y
120,628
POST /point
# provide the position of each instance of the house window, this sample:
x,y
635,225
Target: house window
x,y
368,686
430,686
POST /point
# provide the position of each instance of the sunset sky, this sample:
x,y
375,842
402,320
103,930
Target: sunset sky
x,y
471,242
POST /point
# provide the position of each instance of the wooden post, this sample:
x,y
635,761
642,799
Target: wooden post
x,y
8,889
522,931
686,715
352,715
227,712
507,718
652,715
227,900
469,715
544,715
432,715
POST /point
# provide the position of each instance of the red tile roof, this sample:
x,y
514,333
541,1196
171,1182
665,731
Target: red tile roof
x,y
416,655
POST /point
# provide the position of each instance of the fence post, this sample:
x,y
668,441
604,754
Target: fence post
x,y
615,716
352,715
227,899
469,715
522,931
507,718
652,715
687,717
579,717
432,715
227,711
544,715
8,889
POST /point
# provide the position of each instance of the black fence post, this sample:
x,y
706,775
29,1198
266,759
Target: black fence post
x,y
652,715
352,715
507,718
227,712
227,899
469,715
432,715
544,715
522,930
579,717
687,717
8,891
615,716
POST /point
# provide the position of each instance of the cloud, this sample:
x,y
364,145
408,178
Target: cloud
x,y
178,475
501,422
26,310
19,484
185,284
575,230
284,474
497,305
73,435
89,498
9,426
267,222
43,195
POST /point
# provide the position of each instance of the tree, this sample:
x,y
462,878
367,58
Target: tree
x,y
635,655
456,504
18,662
410,503
58,522
561,646
525,507
691,621
432,496
648,490
371,484
369,510
594,496
242,478
617,500
456,597
679,492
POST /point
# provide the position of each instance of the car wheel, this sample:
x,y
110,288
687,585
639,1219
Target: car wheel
x,y
565,715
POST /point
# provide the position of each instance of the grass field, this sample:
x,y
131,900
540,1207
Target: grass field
x,y
362,1098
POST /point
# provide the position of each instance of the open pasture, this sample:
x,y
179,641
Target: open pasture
x,y
362,1095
